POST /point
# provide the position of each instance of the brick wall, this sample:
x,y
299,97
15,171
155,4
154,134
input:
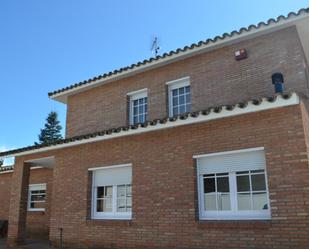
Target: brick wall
x,y
216,78
37,222
5,190
164,186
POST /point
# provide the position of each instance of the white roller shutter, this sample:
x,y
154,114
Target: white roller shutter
x,y
112,176
232,162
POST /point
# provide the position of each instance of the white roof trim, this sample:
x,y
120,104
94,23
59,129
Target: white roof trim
x,y
250,108
253,32
7,171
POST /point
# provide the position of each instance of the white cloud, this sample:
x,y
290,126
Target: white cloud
x,y
7,161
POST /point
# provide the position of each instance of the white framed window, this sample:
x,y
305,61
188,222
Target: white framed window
x,y
138,106
36,197
179,95
233,185
112,192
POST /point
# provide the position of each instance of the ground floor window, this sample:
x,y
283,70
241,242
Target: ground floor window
x,y
37,197
112,192
233,185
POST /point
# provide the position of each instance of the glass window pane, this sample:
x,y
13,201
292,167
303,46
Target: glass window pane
x,y
188,98
135,120
242,172
259,201
181,100
121,190
182,109
188,108
100,192
210,202
108,191
107,205
145,108
175,92
209,185
141,118
40,197
181,90
135,102
99,205
224,202
244,201
129,190
175,111
121,205
258,182
129,202
257,171
135,109
243,183
175,101
187,88
223,184
140,109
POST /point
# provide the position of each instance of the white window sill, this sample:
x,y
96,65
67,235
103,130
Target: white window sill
x,y
112,217
36,210
247,217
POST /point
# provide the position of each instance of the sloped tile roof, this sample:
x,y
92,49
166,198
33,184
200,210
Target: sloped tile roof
x,y
181,50
6,168
163,121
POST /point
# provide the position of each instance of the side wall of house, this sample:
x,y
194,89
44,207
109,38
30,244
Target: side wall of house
x,y
164,186
216,79
37,222
5,191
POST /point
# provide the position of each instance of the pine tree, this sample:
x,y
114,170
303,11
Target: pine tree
x,y
51,131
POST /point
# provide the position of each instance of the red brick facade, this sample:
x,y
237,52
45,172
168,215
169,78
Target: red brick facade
x,y
94,110
37,222
164,186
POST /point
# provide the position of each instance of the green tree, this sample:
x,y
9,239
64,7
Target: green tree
x,y
1,163
51,131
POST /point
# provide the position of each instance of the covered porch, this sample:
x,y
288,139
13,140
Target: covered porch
x,y
28,203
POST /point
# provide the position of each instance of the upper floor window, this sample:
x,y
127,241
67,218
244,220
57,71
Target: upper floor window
x,y
138,106
112,192
36,197
233,185
179,93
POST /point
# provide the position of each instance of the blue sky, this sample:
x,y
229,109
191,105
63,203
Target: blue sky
x,y
46,45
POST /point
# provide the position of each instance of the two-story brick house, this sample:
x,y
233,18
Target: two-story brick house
x,y
193,149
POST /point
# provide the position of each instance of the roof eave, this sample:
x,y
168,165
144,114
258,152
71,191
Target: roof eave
x,y
252,32
278,101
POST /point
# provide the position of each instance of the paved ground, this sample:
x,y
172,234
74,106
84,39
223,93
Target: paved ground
x,y
31,244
